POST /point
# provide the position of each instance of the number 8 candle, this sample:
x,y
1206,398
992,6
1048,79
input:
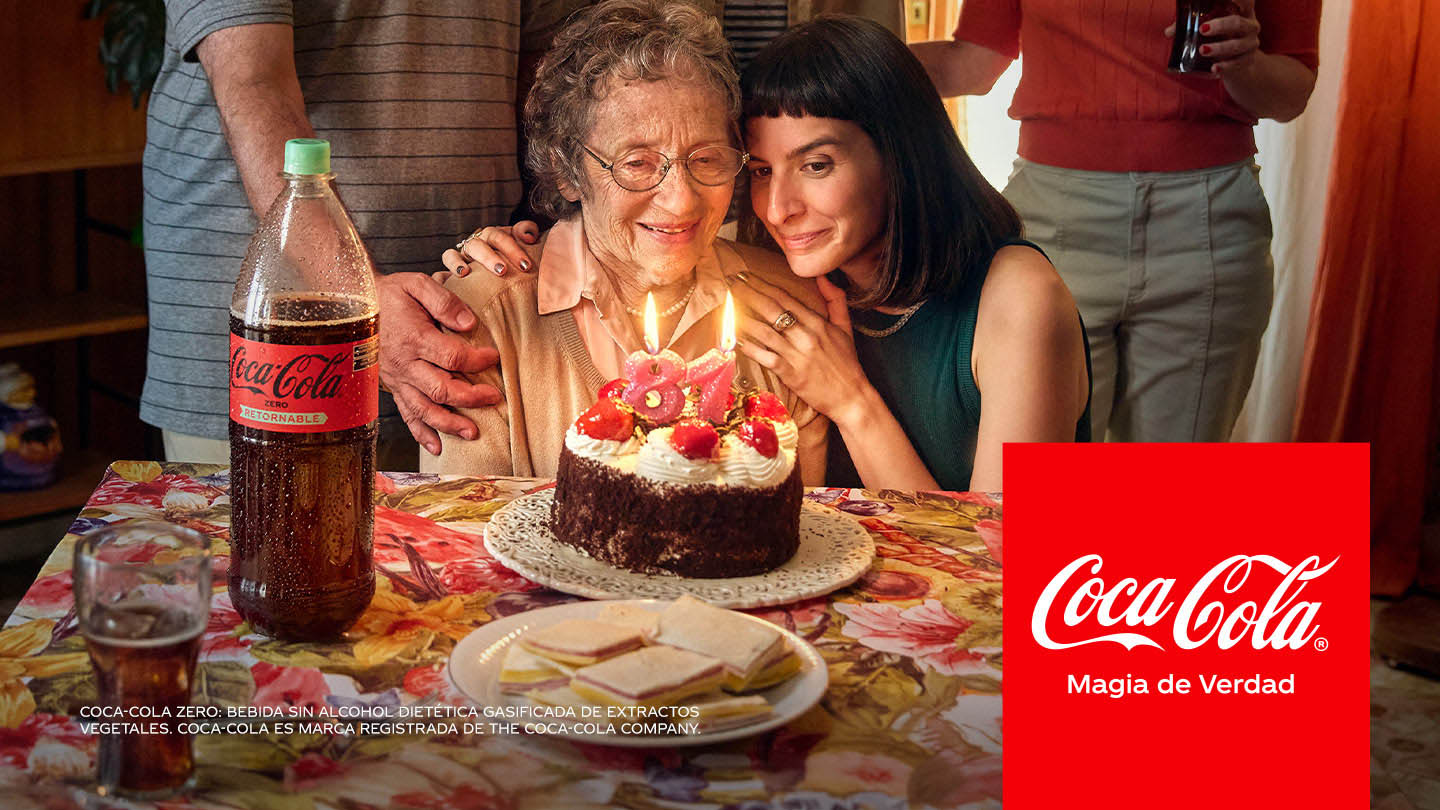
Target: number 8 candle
x,y
654,375
715,370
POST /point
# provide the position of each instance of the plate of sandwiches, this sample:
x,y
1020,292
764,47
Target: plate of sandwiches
x,y
639,673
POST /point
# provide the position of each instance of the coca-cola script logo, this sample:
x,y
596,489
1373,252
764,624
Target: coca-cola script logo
x,y
1281,622
305,376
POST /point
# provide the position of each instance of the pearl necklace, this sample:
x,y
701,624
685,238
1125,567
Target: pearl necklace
x,y
674,308
905,316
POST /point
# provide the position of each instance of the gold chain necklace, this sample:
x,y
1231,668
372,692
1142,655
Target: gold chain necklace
x,y
905,316
674,308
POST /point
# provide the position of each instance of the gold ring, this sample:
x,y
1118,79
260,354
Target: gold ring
x,y
783,321
460,246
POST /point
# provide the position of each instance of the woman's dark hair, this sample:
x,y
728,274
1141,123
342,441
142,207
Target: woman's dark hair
x,y
945,221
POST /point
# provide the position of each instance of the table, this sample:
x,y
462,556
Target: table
x,y
911,718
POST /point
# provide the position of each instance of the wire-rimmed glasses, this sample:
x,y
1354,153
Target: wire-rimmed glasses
x,y
644,169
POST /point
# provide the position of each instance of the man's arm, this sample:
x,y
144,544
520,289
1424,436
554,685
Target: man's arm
x,y
252,74
960,68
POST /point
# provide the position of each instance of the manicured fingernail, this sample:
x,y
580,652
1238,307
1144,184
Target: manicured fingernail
x,y
499,269
524,264
1204,49
1205,29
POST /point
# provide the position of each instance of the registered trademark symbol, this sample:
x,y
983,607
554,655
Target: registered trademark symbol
x,y
1322,644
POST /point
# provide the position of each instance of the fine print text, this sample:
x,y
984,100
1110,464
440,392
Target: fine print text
x,y
427,720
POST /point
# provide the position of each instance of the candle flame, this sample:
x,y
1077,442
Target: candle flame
x,y
727,325
652,325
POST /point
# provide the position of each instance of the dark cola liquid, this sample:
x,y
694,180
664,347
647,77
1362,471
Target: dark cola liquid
x,y
302,515
144,658
1185,56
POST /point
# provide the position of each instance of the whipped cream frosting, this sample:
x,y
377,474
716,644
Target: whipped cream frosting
x,y
788,434
736,463
599,449
741,464
660,461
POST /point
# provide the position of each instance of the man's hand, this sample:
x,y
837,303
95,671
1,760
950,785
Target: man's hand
x,y
421,365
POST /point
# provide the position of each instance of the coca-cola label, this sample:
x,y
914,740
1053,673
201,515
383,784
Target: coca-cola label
x,y
1185,625
304,389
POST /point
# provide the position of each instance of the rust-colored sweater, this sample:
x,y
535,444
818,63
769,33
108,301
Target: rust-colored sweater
x,y
1094,92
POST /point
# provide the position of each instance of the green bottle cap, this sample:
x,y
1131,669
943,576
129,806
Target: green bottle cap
x,y
307,156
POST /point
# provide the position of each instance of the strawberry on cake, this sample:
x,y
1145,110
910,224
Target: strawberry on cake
x,y
693,497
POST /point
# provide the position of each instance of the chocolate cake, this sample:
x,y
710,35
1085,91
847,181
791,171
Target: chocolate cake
x,y
691,498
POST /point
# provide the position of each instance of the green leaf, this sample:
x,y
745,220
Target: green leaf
x,y
466,511
223,683
980,634
238,787
980,684
65,694
132,42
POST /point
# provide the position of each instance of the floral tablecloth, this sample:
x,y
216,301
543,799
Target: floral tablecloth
x,y
911,717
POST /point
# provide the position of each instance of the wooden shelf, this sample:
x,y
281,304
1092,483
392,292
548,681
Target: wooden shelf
x,y
65,163
80,473
63,117
23,323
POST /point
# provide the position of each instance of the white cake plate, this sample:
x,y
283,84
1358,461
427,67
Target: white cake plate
x,y
477,660
834,552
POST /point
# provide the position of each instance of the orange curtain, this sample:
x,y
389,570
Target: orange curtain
x,y
1369,370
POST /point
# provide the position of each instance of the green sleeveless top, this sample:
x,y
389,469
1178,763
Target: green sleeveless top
x,y
922,371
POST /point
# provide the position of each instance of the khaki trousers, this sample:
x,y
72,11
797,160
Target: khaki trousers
x,y
1173,277
195,449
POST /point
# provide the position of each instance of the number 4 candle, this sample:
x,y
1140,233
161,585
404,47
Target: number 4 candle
x,y
715,370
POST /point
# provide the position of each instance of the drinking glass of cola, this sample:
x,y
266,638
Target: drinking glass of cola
x,y
142,598
1185,56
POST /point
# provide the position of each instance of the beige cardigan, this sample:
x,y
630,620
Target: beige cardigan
x,y
546,378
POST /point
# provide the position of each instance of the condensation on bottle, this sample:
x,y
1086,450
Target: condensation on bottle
x,y
304,402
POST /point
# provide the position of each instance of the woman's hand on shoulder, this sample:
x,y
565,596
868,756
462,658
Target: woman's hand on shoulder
x,y
812,352
497,248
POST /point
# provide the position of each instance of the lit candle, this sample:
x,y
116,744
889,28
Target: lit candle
x,y
714,371
654,375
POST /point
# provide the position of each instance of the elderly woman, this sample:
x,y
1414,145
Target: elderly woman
x,y
631,124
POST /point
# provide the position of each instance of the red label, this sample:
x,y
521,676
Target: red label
x,y
304,389
1186,626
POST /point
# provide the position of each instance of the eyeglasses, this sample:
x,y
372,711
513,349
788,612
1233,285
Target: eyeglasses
x,y
644,169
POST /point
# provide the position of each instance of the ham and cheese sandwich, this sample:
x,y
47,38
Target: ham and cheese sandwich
x,y
651,676
523,670
646,621
744,645
582,641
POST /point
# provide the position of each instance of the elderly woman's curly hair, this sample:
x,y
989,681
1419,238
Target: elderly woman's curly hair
x,y
626,40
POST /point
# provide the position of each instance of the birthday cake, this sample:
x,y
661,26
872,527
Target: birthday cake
x,y
700,483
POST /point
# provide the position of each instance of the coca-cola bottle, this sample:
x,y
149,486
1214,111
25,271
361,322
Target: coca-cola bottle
x,y
304,398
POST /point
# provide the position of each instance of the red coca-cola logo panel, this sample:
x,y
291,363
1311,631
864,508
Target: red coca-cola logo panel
x,y
1186,626
304,389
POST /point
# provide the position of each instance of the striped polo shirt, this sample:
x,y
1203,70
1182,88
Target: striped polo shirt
x,y
751,24
418,102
